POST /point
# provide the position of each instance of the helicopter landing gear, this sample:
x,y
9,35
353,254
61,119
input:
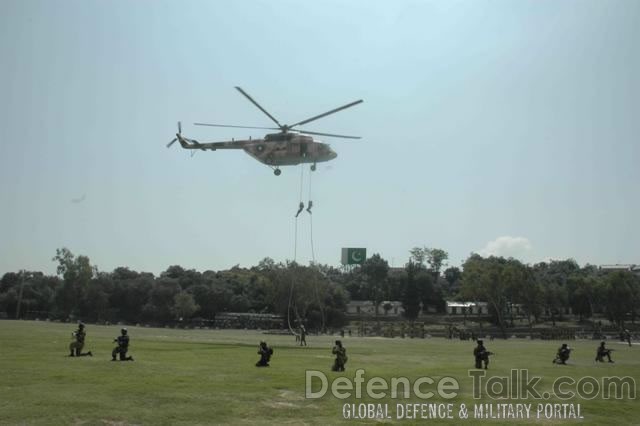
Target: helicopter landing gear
x,y
313,167
277,172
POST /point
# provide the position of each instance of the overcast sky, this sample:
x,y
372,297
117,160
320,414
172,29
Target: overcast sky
x,y
498,127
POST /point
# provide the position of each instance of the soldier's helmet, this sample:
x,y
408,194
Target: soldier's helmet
x,y
338,343
80,325
564,345
480,342
124,331
601,343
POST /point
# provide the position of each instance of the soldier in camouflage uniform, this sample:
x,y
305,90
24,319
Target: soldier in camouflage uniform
x,y
341,356
481,355
265,353
563,354
303,335
75,347
602,351
122,348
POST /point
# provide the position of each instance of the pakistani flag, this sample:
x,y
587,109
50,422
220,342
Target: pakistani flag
x,y
353,256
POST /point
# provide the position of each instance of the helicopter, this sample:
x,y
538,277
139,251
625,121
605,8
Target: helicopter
x,y
288,147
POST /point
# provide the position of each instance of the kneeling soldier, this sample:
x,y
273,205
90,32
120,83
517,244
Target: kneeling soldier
x,y
265,353
601,352
122,348
75,347
563,354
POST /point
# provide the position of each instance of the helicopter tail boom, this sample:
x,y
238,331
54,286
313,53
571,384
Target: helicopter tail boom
x,y
211,146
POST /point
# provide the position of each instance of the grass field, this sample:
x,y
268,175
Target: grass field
x,y
209,377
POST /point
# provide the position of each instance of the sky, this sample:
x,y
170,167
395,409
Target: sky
x,y
491,126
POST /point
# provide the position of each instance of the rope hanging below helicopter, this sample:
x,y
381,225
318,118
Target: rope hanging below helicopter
x,y
300,208
313,254
309,205
295,256
313,257
289,309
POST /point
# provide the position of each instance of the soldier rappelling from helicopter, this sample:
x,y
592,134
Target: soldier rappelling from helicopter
x,y
301,207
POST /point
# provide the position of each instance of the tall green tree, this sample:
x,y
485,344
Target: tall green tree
x,y
437,259
428,294
619,296
76,273
161,300
418,256
483,280
453,276
522,290
184,306
584,291
411,293
376,271
552,278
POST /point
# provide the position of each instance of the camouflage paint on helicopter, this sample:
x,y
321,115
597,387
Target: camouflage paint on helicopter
x,y
277,149
287,148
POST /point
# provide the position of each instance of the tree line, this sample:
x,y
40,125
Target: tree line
x,y
544,289
317,295
81,292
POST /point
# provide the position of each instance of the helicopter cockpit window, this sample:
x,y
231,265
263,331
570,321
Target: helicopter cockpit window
x,y
279,137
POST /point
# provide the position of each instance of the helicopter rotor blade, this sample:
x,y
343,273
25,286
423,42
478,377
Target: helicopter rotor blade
x,y
280,126
306,132
237,127
308,120
172,142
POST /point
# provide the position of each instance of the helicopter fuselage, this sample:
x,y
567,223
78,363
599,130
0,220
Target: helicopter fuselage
x,y
288,149
276,149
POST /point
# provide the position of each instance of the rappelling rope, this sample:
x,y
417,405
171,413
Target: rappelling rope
x,y
289,309
295,242
313,253
295,256
313,258
301,181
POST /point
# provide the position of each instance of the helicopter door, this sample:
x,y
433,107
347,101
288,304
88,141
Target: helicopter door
x,y
295,148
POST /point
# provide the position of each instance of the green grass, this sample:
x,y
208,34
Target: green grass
x,y
209,377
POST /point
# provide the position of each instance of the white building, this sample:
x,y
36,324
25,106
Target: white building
x,y
620,267
468,308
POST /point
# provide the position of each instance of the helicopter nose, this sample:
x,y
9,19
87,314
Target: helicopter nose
x,y
332,154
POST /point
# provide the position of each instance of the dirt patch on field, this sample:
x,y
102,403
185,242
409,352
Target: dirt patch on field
x,y
116,423
289,399
290,395
108,422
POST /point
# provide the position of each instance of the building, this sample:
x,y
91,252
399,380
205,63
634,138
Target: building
x,y
388,308
467,308
620,267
